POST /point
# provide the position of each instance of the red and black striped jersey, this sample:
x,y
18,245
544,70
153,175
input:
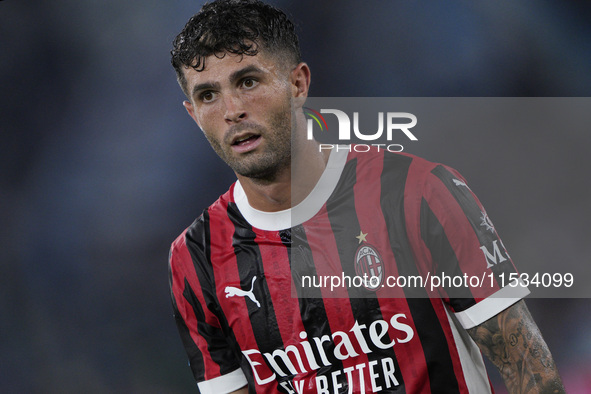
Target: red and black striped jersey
x,y
254,297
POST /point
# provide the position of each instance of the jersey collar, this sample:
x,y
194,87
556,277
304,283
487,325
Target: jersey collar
x,y
282,220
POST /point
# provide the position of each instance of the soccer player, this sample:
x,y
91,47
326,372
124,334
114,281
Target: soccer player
x,y
297,212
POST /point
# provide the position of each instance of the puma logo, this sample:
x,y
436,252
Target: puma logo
x,y
233,291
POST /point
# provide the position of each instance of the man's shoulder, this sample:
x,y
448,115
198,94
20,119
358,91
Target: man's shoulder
x,y
219,206
400,161
196,230
397,171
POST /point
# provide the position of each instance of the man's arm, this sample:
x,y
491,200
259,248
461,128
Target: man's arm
x,y
513,342
243,390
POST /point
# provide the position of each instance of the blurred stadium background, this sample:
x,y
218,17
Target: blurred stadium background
x,y
100,168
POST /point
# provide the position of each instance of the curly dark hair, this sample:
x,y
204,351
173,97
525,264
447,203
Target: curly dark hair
x,y
241,27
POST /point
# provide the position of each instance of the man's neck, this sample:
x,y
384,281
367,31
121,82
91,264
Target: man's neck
x,y
291,185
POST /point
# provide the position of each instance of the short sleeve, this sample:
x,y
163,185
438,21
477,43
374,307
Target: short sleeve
x,y
468,258
212,356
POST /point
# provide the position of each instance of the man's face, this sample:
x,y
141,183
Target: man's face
x,y
243,106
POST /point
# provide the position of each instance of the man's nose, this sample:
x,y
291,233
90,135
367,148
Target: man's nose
x,y
234,109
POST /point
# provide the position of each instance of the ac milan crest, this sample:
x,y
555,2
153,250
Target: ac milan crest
x,y
369,266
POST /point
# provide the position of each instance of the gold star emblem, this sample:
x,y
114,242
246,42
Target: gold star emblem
x,y
361,237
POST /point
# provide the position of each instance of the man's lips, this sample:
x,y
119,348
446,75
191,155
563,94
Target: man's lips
x,y
240,139
246,142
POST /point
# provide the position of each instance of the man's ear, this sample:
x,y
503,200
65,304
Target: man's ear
x,y
300,83
189,107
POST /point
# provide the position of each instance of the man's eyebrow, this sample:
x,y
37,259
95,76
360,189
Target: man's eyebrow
x,y
205,86
236,75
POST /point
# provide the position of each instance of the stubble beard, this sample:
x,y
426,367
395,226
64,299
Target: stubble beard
x,y
265,163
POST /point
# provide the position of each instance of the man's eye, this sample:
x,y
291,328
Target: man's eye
x,y
249,83
206,96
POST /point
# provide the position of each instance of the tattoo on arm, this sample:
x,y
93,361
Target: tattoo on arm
x,y
513,342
